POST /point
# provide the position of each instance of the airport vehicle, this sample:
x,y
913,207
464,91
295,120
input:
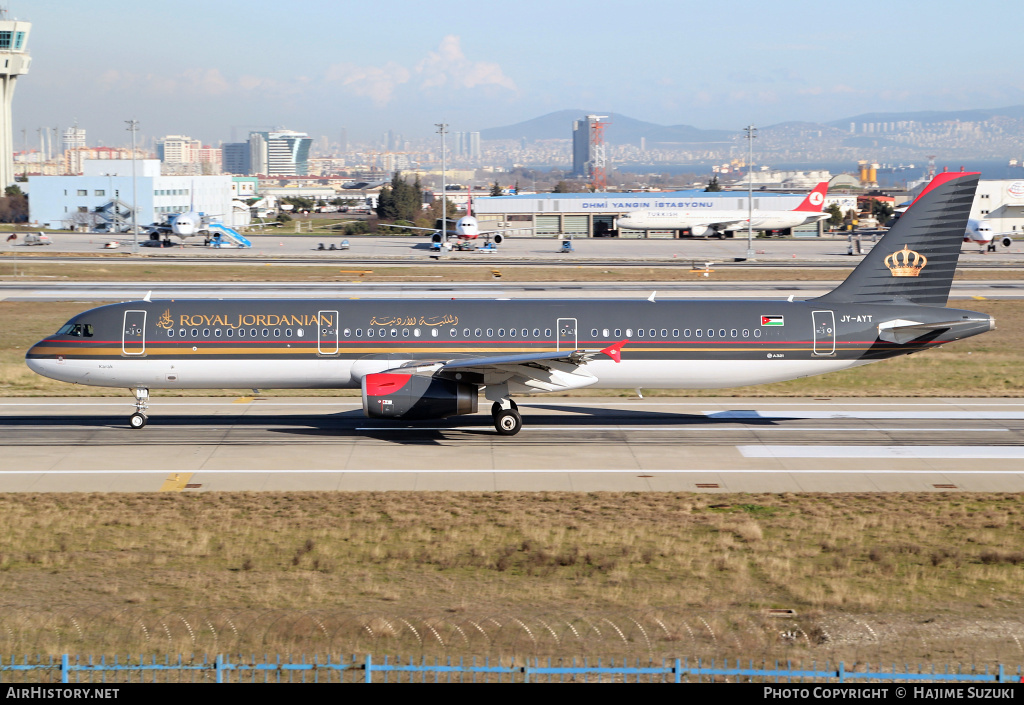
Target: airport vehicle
x,y
724,223
37,239
423,358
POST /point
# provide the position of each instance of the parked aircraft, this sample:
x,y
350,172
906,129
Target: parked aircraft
x,y
465,228
423,358
723,223
979,231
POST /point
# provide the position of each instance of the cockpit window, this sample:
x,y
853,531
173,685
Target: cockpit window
x,y
76,330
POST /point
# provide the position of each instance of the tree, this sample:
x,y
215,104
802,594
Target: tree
x,y
561,187
13,206
496,190
837,215
400,200
881,210
713,185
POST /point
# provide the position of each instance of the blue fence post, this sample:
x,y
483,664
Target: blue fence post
x,y
218,666
1001,674
368,668
842,672
678,671
64,669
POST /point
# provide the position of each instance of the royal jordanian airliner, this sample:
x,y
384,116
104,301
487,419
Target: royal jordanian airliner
x,y
418,359
726,222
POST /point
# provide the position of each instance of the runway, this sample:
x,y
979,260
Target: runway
x,y
567,444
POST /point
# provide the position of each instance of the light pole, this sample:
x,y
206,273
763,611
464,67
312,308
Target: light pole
x,y
750,130
442,128
133,127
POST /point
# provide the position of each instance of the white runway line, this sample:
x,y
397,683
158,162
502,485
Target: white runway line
x,y
808,414
542,471
888,452
691,427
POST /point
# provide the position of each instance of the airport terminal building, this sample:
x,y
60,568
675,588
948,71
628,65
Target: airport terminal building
x,y
595,214
1001,202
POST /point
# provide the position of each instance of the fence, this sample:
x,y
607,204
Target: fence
x,y
367,669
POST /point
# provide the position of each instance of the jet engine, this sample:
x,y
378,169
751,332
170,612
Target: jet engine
x,y
498,239
1006,241
702,231
392,395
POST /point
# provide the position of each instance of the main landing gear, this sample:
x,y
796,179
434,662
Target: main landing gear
x,y
507,421
139,418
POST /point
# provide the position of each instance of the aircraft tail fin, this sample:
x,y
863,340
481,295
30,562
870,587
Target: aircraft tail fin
x,y
914,262
815,199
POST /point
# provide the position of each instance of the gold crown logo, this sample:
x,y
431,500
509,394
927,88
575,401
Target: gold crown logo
x,y
905,262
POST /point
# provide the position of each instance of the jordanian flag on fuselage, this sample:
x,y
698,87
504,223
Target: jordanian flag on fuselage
x,y
772,321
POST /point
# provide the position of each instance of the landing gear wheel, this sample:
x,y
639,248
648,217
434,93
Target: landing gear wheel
x,y
508,422
137,420
496,407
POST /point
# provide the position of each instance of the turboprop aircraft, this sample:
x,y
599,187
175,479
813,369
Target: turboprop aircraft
x,y
423,358
719,223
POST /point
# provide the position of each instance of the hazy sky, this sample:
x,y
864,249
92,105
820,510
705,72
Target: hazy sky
x,y
206,68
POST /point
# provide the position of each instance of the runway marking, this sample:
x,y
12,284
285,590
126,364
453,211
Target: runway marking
x,y
176,482
806,414
894,452
545,471
691,427
242,400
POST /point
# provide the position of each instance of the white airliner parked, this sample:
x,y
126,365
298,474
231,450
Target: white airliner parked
x,y
979,231
719,223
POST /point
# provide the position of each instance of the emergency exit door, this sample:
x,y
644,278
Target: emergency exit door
x,y
566,339
133,337
824,332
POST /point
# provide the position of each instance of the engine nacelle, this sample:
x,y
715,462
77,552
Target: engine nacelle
x,y
437,237
392,395
1006,241
498,239
702,231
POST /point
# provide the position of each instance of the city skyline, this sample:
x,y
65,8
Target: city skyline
x,y
217,74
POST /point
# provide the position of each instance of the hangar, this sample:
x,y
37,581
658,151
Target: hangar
x,y
594,214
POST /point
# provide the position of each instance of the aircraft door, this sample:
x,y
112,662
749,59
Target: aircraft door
x,y
824,332
327,333
133,336
566,339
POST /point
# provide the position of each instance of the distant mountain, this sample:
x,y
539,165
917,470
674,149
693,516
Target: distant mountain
x,y
622,130
1015,112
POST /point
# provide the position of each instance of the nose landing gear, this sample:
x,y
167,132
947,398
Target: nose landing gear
x,y
139,418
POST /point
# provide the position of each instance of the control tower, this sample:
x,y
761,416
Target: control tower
x,y
14,61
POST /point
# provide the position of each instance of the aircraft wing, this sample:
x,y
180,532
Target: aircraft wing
x,y
529,372
902,331
406,227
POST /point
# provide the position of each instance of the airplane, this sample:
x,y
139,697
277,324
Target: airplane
x,y
466,228
979,231
723,223
429,359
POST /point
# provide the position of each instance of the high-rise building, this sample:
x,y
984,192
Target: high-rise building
x,y
177,149
15,62
580,147
282,152
74,138
236,158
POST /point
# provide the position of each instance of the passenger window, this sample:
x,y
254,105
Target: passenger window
x,y
732,333
231,332
593,332
181,332
277,333
746,332
369,332
288,332
170,332
607,333
664,332
266,332
405,332
629,332
216,332
721,333
300,333
195,332
490,332
653,332
253,332
547,332
465,332
536,332
433,332
416,332
686,333
675,332
618,332
639,332
206,332
711,332
453,332
757,332
477,333
700,332
501,332
348,332
394,332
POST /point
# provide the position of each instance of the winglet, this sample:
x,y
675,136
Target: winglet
x,y
146,297
615,351
815,199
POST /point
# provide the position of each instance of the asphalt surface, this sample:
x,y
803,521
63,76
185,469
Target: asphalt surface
x,y
571,444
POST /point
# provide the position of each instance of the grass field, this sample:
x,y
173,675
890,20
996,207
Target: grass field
x,y
933,576
986,365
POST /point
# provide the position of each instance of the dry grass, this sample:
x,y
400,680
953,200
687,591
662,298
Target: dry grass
x,y
986,365
886,560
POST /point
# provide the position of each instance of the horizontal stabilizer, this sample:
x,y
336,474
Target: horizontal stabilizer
x,y
902,331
